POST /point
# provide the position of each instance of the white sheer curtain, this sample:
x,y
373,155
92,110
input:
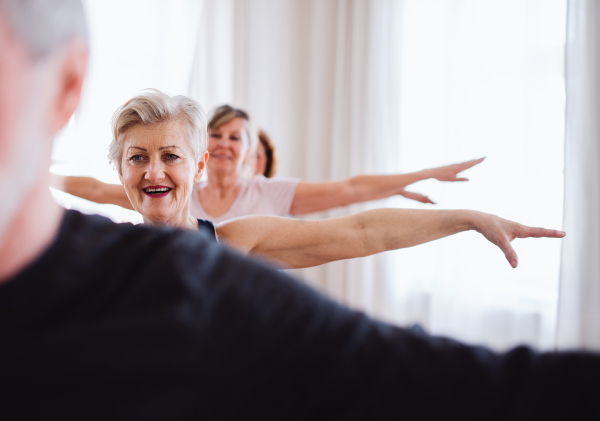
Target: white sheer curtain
x,y
579,303
321,78
484,78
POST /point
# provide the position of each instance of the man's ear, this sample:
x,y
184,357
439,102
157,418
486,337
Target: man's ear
x,y
201,167
71,73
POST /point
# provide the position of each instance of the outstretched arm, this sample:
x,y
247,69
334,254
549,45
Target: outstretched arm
x,y
91,189
297,243
315,197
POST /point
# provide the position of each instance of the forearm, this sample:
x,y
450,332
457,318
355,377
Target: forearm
x,y
391,229
91,189
297,243
373,187
316,197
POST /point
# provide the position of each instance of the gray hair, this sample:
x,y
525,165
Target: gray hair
x,y
151,107
45,25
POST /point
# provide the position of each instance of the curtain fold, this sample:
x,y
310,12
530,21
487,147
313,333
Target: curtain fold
x,y
579,298
321,78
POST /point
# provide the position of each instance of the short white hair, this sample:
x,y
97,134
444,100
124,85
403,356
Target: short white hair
x,y
151,107
45,25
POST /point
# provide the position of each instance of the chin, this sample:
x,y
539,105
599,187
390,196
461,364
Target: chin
x,y
157,215
223,166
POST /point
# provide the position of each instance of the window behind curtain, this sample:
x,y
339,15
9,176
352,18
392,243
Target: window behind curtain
x,y
484,78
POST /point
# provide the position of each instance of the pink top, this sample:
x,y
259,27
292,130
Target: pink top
x,y
258,196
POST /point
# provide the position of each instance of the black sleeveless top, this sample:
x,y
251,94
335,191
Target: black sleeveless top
x,y
208,227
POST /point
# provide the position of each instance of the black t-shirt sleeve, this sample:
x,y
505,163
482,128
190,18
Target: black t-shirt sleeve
x,y
293,353
208,227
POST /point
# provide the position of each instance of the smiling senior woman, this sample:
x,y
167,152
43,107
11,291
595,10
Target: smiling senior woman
x,y
159,151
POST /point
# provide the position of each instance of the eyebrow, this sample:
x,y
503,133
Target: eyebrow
x,y
137,147
146,150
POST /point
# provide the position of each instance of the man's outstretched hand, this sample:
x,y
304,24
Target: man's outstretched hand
x,y
501,232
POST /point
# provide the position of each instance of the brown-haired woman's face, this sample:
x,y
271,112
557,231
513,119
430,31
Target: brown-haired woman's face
x,y
228,146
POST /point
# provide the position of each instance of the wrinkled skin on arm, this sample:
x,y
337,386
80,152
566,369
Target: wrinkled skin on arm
x,y
297,243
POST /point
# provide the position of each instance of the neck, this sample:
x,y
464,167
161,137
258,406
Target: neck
x,y
30,232
223,182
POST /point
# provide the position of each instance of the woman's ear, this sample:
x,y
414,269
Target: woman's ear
x,y
201,167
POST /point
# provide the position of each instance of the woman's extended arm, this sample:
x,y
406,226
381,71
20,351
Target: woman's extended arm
x,y
315,197
91,189
297,243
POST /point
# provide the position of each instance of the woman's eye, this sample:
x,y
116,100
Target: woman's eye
x,y
171,157
136,158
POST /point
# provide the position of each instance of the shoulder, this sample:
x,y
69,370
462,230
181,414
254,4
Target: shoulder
x,y
92,253
97,238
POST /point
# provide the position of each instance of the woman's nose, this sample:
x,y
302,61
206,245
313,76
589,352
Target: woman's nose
x,y
155,172
220,141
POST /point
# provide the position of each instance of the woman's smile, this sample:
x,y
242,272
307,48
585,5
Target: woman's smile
x,y
221,156
156,192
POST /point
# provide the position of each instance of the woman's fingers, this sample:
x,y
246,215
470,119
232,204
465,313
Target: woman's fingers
x,y
450,172
527,232
468,164
473,162
509,253
501,232
417,196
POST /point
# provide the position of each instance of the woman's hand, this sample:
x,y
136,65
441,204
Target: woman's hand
x,y
450,172
416,196
501,232
316,197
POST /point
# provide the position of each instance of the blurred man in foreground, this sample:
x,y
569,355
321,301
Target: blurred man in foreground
x,y
107,321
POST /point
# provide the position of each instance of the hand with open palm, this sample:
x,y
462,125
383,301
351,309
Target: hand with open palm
x,y
445,173
501,232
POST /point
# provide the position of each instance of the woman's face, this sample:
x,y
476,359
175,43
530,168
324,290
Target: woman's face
x,y
261,159
228,146
158,170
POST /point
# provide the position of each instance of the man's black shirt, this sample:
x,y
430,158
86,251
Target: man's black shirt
x,y
116,321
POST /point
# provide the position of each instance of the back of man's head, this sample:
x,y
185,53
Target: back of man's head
x,y
45,25
43,60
